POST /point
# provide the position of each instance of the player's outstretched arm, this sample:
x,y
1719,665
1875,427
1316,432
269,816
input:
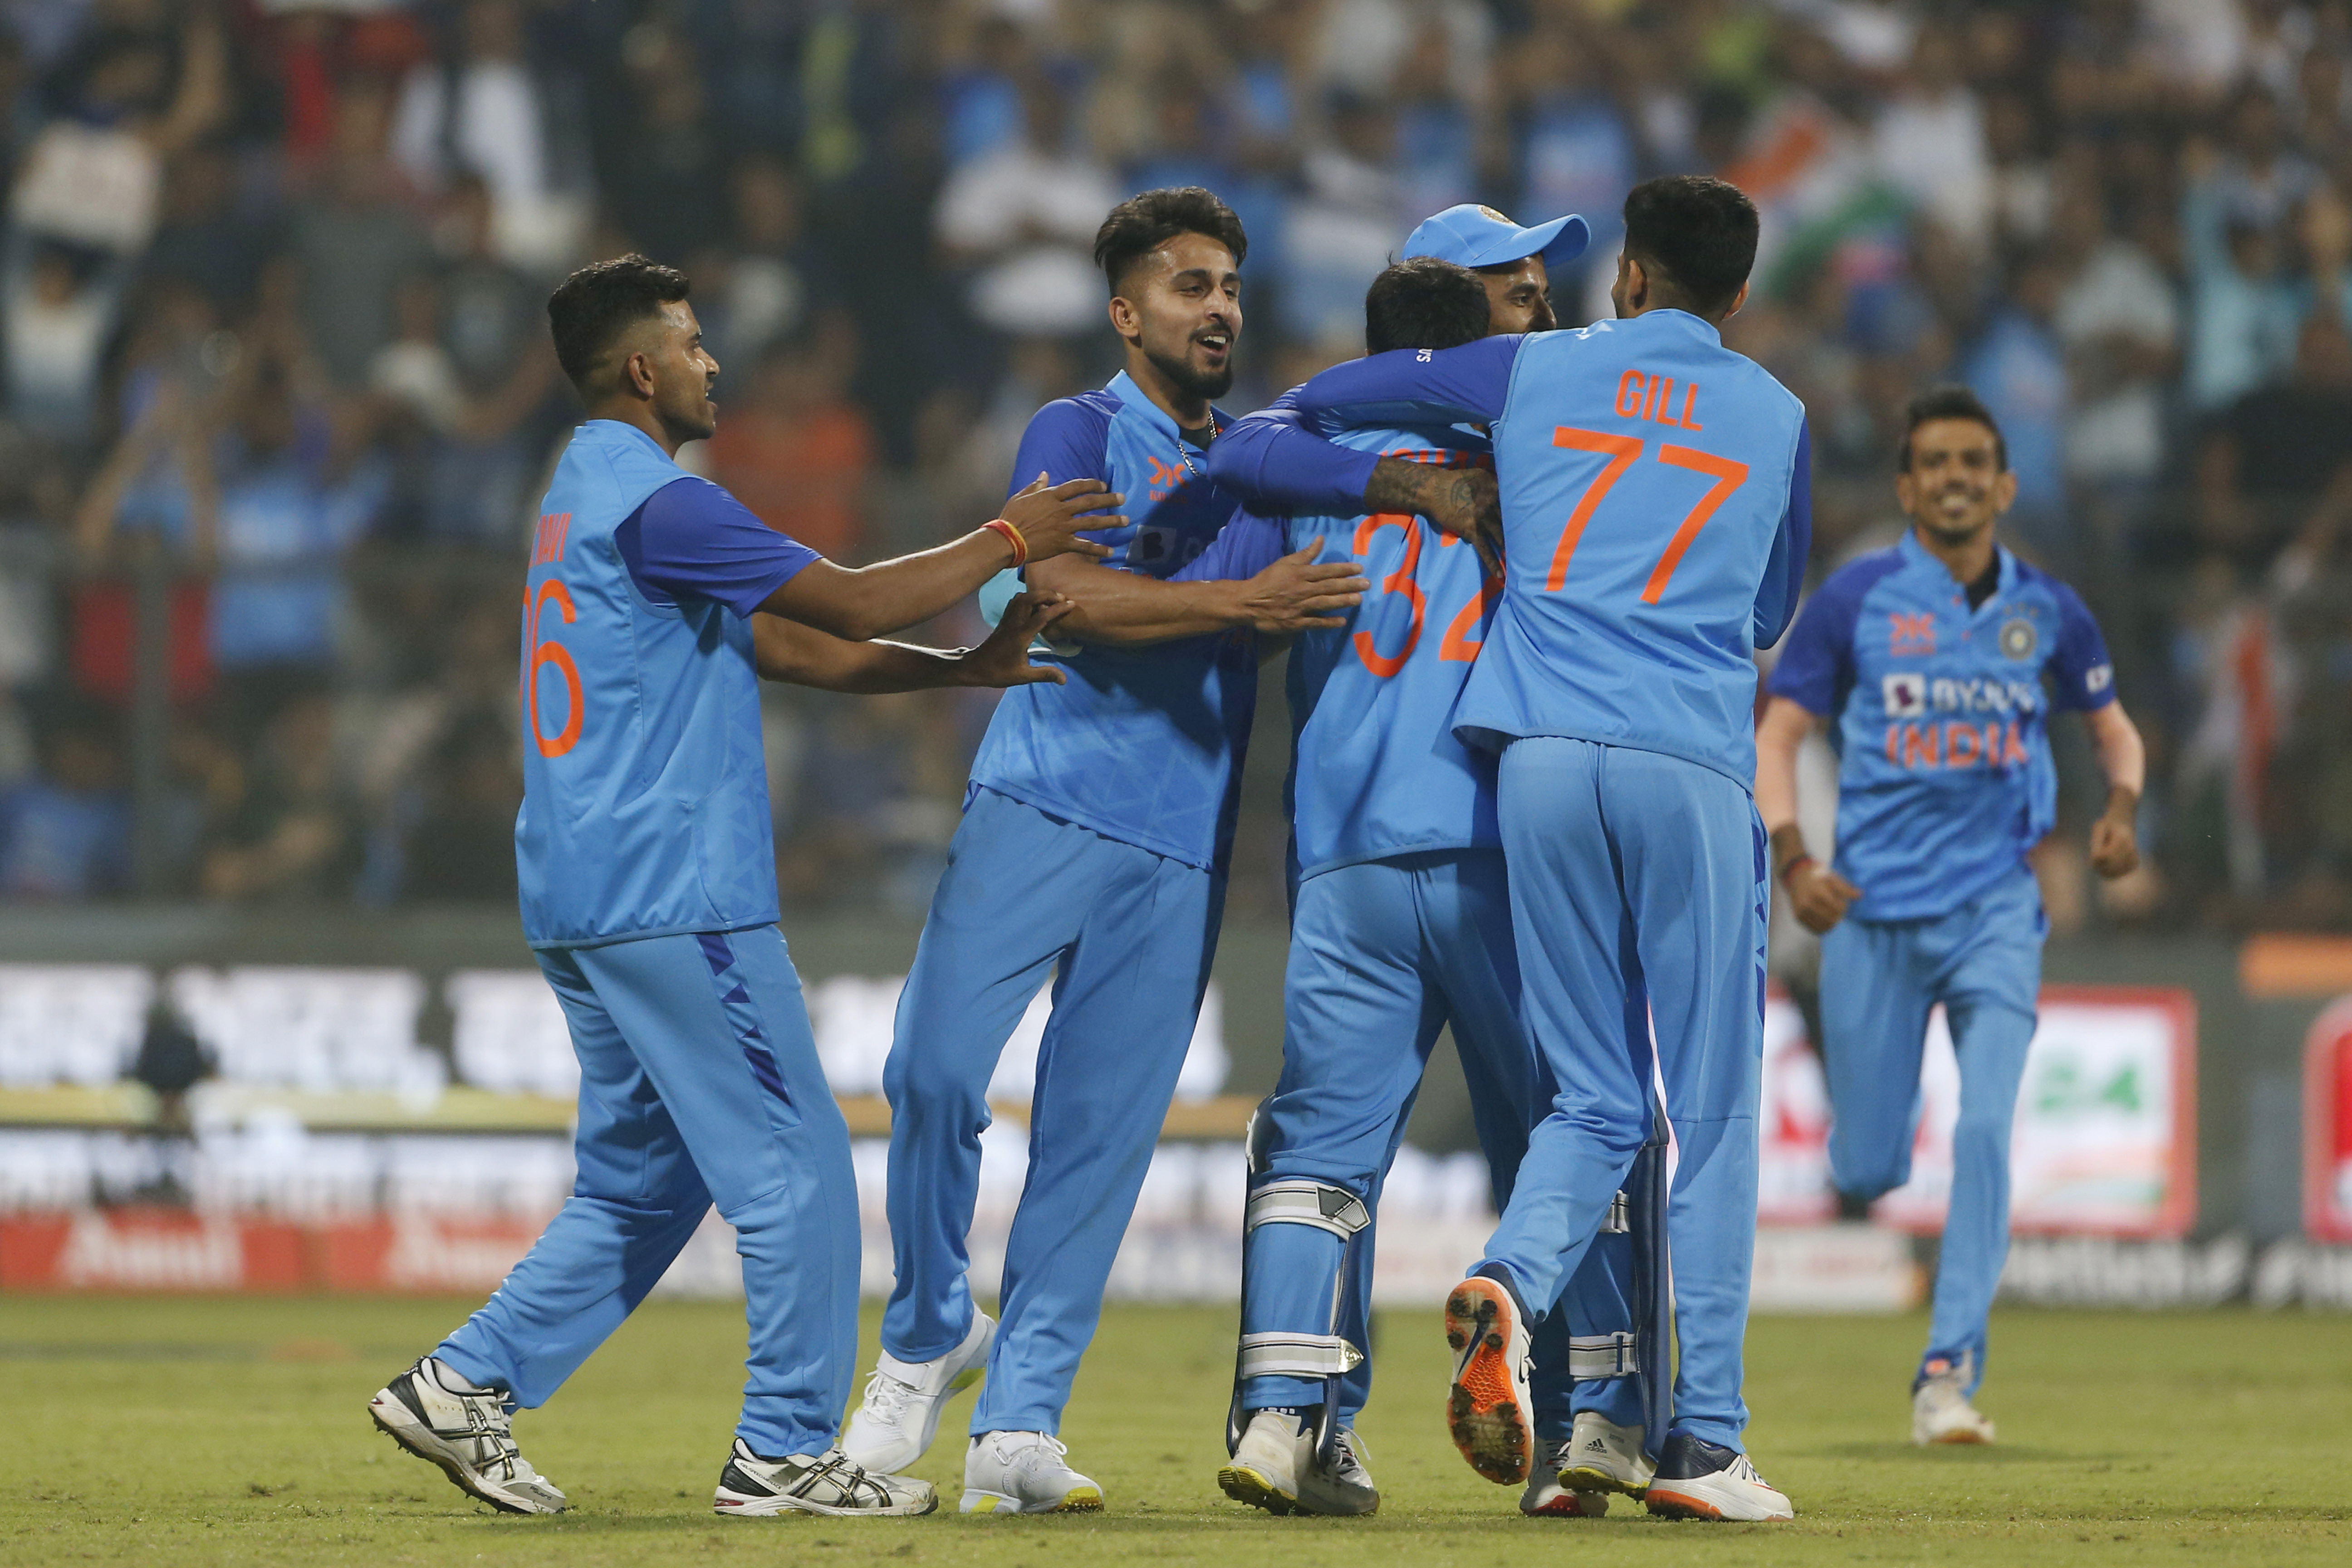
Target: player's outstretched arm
x,y
861,603
1818,895
1294,594
2115,837
787,651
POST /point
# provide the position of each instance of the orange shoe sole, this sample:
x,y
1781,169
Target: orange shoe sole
x,y
1485,1409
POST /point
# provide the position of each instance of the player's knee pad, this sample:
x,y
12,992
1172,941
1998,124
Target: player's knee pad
x,y
1324,1356
1336,1211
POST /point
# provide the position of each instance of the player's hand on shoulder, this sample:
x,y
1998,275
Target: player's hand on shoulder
x,y
1464,502
1003,659
1299,594
1051,517
1820,897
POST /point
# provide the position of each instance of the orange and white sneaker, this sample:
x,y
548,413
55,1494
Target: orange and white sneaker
x,y
1488,1409
1699,1480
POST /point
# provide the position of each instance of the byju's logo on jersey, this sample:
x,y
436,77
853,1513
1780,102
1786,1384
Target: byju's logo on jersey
x,y
1906,695
2019,638
1911,633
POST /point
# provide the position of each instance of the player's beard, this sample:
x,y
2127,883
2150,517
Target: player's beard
x,y
1190,379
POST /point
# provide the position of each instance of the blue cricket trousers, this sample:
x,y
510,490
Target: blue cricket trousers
x,y
1633,870
1383,955
1130,935
698,1081
1879,979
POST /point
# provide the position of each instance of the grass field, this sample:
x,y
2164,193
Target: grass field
x,y
172,1431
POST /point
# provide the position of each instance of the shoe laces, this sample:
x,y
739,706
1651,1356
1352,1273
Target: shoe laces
x,y
1038,1448
1349,1453
886,1397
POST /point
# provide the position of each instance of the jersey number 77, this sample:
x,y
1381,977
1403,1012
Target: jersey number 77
x,y
1622,452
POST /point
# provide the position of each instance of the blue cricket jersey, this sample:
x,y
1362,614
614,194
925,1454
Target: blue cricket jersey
x,y
1942,719
1656,514
1375,768
645,805
1143,744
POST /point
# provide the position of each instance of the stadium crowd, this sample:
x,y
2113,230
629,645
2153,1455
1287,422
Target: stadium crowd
x,y
273,355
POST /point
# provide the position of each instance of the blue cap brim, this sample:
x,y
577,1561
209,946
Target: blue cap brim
x,y
1561,241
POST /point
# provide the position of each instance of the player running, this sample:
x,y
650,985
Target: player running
x,y
1931,660
1401,925
1093,849
1618,682
648,890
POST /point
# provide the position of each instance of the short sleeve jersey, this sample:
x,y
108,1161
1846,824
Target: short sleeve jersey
x,y
1940,717
1142,744
644,806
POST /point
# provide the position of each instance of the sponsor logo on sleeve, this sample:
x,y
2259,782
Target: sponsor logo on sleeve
x,y
2098,679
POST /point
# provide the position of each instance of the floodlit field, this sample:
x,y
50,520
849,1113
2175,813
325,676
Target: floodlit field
x,y
222,1431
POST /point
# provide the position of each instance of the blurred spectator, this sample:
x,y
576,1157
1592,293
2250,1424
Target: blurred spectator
x,y
1021,219
65,833
2280,451
775,280
462,845
355,241
60,307
205,239
485,111
1930,139
2119,325
2018,368
290,835
796,451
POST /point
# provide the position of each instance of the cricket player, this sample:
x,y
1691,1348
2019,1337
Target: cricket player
x,y
654,600
1936,665
1093,849
1401,925
1655,514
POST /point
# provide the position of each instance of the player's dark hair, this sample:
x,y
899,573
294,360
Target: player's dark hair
x,y
595,305
1695,234
1425,303
1141,224
1950,400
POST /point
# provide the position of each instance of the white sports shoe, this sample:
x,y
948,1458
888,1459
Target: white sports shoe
x,y
1602,1457
1698,1480
900,1414
1546,1498
435,1415
1940,1411
1263,1470
829,1483
1274,1467
1023,1472
1343,1488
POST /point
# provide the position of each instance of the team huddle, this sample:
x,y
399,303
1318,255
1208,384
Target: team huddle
x,y
1521,577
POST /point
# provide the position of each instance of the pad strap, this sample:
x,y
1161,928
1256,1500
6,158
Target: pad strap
x,y
1297,1355
1297,1201
1592,1357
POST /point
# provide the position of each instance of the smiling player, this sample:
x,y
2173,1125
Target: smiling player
x,y
1929,662
1093,849
649,894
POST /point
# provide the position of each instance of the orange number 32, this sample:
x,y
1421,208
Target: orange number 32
x,y
1622,452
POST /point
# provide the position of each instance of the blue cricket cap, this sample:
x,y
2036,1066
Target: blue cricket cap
x,y
1474,235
